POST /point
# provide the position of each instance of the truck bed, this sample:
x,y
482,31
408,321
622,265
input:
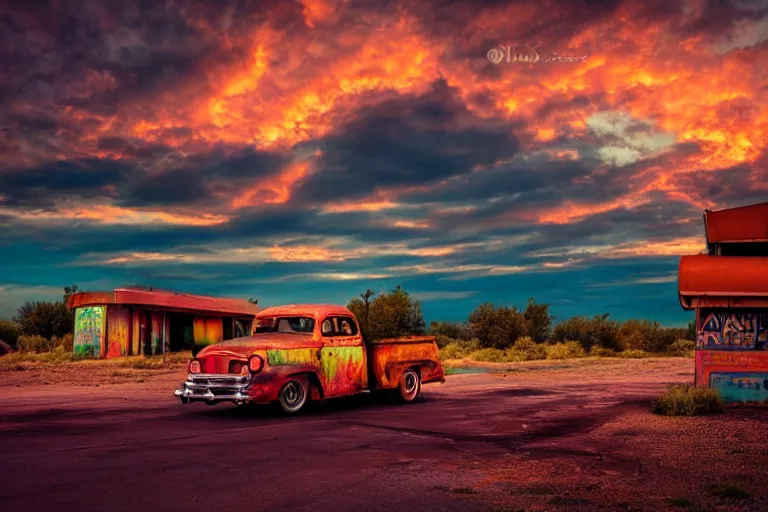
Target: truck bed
x,y
390,357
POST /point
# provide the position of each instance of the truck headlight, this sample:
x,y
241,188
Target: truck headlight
x,y
194,366
255,363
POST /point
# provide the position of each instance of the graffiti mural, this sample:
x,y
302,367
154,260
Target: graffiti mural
x,y
729,330
89,330
732,354
745,387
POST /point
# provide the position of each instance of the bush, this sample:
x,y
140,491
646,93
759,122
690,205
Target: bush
x,y
456,331
497,327
601,352
35,344
682,347
9,332
452,351
66,342
489,355
525,349
634,354
598,330
685,400
567,350
443,341
46,319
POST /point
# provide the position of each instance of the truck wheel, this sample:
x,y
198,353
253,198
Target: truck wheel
x,y
293,396
410,385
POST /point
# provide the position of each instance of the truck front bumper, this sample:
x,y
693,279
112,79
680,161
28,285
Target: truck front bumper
x,y
214,388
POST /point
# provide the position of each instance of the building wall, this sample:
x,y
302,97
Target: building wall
x,y
90,325
136,330
118,330
206,331
732,353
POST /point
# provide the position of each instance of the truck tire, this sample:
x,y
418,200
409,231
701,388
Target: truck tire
x,y
410,385
293,395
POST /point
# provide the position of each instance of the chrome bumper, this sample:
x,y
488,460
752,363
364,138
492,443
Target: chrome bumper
x,y
214,388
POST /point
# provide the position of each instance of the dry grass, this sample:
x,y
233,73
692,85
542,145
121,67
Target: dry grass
x,y
686,400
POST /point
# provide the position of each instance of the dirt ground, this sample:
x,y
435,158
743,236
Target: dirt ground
x,y
544,435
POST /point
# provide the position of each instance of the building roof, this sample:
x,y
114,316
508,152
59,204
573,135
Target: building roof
x,y
317,310
721,281
742,224
165,300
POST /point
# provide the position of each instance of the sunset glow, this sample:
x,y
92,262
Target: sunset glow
x,y
269,146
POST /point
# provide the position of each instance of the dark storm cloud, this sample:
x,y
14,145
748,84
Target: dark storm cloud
x,y
406,141
38,186
738,183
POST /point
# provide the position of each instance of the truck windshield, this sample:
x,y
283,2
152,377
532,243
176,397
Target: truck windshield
x,y
285,324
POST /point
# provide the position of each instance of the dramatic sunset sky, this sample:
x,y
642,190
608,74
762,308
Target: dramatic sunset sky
x,y
303,151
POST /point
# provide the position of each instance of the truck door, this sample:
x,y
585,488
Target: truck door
x,y
343,356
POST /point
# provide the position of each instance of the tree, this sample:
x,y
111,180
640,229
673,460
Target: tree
x,y
598,330
46,319
539,321
453,330
497,327
389,315
69,290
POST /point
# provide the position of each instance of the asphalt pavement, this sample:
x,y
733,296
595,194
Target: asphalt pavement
x,y
116,448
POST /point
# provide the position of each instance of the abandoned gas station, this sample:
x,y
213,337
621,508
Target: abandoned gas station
x,y
728,289
132,321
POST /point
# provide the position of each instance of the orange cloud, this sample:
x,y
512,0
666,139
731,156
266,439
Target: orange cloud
x,y
274,190
107,214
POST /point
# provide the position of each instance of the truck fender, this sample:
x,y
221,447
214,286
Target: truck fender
x,y
393,370
317,392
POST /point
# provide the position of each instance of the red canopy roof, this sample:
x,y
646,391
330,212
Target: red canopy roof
x,y
743,224
164,300
723,280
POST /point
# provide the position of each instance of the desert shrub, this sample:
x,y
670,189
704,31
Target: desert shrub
x,y
538,321
598,330
389,315
46,319
682,347
67,342
497,327
566,350
455,331
525,349
686,400
34,343
9,332
596,351
634,354
443,341
452,351
489,355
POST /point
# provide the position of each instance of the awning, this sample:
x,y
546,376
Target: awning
x,y
723,281
165,300
743,224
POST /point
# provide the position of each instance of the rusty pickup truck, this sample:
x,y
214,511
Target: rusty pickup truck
x,y
308,352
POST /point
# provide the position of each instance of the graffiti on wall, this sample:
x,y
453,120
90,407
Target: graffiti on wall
x,y
728,330
746,387
89,330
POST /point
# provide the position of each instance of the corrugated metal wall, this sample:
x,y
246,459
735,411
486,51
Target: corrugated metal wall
x,y
118,320
206,331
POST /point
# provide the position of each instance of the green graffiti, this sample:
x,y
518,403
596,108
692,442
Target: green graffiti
x,y
89,330
333,358
291,357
